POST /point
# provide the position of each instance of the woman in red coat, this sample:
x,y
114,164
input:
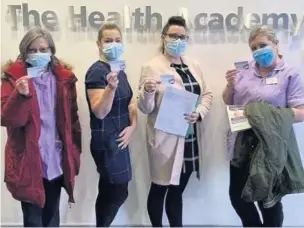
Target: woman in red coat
x,y
39,111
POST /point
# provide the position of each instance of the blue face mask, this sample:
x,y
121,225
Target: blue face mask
x,y
113,51
264,56
39,59
176,48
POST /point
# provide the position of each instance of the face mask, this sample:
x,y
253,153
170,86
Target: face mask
x,y
39,59
264,56
176,48
113,51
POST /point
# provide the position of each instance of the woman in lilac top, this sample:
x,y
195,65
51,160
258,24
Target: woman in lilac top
x,y
268,78
39,110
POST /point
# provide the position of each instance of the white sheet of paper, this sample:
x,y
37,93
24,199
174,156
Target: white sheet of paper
x,y
34,72
174,105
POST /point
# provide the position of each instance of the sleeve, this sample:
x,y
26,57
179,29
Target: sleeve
x,y
295,90
96,78
11,101
206,97
146,101
76,127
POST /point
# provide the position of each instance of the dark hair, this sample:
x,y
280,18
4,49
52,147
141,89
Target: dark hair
x,y
175,20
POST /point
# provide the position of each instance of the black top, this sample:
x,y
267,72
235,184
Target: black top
x,y
191,155
114,166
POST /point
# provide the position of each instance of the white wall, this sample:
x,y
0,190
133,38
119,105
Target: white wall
x,y
206,202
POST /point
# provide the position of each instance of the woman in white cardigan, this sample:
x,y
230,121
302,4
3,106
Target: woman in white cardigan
x,y
172,158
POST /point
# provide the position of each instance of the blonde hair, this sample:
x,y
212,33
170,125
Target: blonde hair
x,y
107,26
263,31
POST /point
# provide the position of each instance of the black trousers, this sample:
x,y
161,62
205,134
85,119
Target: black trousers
x,y
248,213
174,202
49,216
109,199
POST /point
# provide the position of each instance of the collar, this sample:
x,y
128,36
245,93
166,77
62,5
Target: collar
x,y
168,63
281,65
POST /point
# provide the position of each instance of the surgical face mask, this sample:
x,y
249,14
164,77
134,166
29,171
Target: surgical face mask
x,y
176,48
264,56
113,51
39,59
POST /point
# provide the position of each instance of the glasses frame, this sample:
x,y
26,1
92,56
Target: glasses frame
x,y
174,37
38,50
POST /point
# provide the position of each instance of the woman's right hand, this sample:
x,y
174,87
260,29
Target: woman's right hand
x,y
22,85
230,77
112,79
150,85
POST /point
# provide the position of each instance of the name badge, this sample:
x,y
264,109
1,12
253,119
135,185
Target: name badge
x,y
271,81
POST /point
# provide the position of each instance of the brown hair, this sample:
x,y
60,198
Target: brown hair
x,y
32,35
29,38
107,26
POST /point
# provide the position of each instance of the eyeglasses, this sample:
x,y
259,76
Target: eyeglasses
x,y
41,50
174,36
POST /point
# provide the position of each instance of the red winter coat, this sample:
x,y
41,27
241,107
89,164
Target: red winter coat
x,y
20,115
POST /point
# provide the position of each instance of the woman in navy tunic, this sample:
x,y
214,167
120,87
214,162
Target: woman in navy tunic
x,y
113,120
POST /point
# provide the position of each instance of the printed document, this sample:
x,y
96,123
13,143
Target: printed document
x,y
171,116
237,119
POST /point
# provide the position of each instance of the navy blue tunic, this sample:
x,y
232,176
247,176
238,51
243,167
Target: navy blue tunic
x,y
116,167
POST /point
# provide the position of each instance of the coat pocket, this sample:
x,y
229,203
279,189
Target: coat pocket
x,y
17,168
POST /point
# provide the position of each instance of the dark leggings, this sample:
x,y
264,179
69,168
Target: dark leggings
x,y
174,202
248,213
109,199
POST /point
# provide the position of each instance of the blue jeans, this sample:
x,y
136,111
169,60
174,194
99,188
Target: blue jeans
x,y
49,216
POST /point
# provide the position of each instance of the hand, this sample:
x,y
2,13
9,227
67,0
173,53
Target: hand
x,y
112,79
22,85
230,77
150,85
192,117
125,137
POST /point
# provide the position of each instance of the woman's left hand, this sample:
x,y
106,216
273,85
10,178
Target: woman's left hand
x,y
125,137
192,117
